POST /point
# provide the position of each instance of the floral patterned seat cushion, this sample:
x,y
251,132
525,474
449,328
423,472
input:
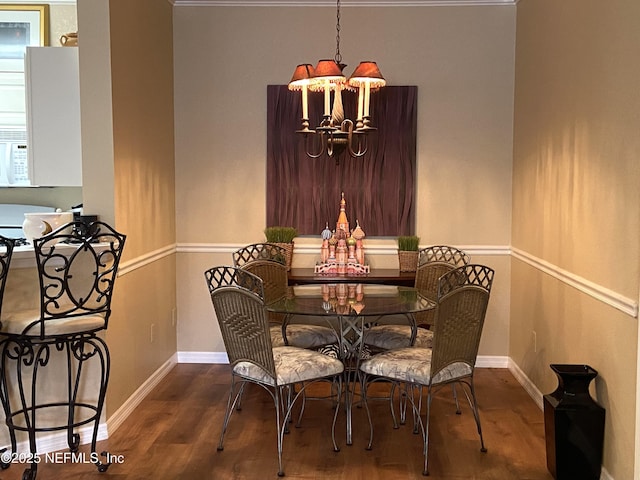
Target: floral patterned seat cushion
x,y
303,336
389,337
293,365
412,365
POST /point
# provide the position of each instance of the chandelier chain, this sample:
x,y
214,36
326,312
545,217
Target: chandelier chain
x,y
338,56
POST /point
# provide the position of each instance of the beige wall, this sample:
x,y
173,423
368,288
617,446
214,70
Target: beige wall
x,y
462,61
126,86
62,19
576,202
142,87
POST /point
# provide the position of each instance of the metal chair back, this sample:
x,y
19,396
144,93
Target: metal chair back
x,y
259,251
435,261
77,267
238,300
463,296
266,261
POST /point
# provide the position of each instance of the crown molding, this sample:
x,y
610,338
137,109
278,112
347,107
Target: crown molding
x,y
305,3
344,3
40,2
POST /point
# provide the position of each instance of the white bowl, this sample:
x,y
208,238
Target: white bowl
x,y
38,224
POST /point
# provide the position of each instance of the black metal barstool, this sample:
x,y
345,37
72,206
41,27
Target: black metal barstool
x,y
6,251
77,266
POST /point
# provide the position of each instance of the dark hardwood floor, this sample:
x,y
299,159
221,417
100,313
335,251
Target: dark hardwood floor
x,y
174,432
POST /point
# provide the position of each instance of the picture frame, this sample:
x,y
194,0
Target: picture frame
x,y
21,25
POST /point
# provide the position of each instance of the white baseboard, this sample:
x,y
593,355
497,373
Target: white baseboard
x,y
120,415
54,442
203,357
527,384
488,361
604,475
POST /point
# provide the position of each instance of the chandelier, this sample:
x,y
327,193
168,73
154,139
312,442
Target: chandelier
x,y
336,133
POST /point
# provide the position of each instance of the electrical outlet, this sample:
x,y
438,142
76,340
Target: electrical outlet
x,y
153,326
535,341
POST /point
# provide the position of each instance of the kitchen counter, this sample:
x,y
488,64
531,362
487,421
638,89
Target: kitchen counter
x,y
24,256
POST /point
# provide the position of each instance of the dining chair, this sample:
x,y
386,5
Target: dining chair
x,y
268,261
462,299
433,262
77,267
239,303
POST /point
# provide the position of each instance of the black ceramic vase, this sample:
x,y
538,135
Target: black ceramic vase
x,y
574,425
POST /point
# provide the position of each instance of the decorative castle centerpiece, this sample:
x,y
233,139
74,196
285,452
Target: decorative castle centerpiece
x,y
342,251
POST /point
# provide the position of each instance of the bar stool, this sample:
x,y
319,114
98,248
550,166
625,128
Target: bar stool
x,y
6,251
77,266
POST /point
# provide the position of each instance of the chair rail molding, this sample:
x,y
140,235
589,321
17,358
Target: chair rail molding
x,y
314,248
603,294
146,259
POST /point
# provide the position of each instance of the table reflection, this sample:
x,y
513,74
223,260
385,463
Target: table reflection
x,y
343,298
352,299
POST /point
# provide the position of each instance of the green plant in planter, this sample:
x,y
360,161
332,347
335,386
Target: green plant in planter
x,y
280,234
408,252
408,243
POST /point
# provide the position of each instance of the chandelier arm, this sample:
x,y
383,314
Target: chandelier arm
x,y
306,146
361,151
349,128
329,144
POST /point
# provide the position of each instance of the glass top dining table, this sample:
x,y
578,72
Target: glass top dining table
x,y
350,299
350,308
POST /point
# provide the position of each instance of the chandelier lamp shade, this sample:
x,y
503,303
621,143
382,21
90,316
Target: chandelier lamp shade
x,y
335,132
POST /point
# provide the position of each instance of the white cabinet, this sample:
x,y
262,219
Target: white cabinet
x,y
53,116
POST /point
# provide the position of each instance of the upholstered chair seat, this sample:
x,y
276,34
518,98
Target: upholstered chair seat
x,y
27,323
388,337
303,336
